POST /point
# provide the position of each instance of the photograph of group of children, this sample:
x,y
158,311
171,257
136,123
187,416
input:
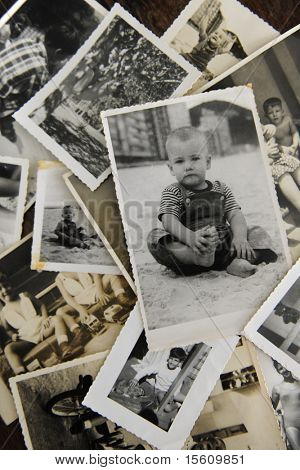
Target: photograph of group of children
x,y
209,226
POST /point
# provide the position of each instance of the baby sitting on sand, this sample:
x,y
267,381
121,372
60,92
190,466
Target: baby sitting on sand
x,y
67,232
203,226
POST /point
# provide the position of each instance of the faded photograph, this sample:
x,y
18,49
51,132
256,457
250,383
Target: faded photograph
x,y
227,420
120,67
155,384
63,236
13,183
35,43
53,416
284,390
213,35
274,76
204,220
282,326
48,318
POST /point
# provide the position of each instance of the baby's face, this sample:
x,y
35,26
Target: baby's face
x,y
275,114
187,162
68,215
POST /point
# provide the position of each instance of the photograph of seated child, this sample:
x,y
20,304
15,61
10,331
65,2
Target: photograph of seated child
x,y
203,225
282,139
68,233
165,373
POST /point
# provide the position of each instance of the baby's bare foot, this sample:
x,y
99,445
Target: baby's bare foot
x,y
241,267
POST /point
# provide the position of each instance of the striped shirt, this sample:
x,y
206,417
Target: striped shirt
x,y
23,71
172,199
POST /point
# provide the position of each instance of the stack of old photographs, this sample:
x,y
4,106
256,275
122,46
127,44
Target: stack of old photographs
x,y
164,219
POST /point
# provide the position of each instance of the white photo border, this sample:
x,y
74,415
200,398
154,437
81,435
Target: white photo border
x,y
97,398
251,329
187,333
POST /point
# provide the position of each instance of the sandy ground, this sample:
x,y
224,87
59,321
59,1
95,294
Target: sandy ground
x,y
170,299
53,252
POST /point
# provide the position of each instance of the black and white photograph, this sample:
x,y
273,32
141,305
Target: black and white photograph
x,y
276,326
213,35
52,415
37,38
13,186
63,237
101,207
157,394
65,116
284,390
200,213
48,318
274,74
228,422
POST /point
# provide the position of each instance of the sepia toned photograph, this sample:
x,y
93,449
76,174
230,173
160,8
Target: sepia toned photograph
x,y
48,318
274,74
157,394
213,35
65,116
52,415
13,187
227,421
200,213
37,38
276,326
101,208
284,390
63,237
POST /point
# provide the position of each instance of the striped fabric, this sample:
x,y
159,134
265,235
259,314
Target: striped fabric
x,y
172,200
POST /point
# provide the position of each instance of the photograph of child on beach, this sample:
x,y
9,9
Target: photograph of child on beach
x,y
64,239
206,235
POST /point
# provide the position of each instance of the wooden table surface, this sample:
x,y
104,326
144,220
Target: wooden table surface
x,y
158,15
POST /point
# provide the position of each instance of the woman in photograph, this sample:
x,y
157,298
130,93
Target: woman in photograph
x,y
287,393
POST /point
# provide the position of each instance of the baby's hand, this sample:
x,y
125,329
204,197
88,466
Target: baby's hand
x,y
242,248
